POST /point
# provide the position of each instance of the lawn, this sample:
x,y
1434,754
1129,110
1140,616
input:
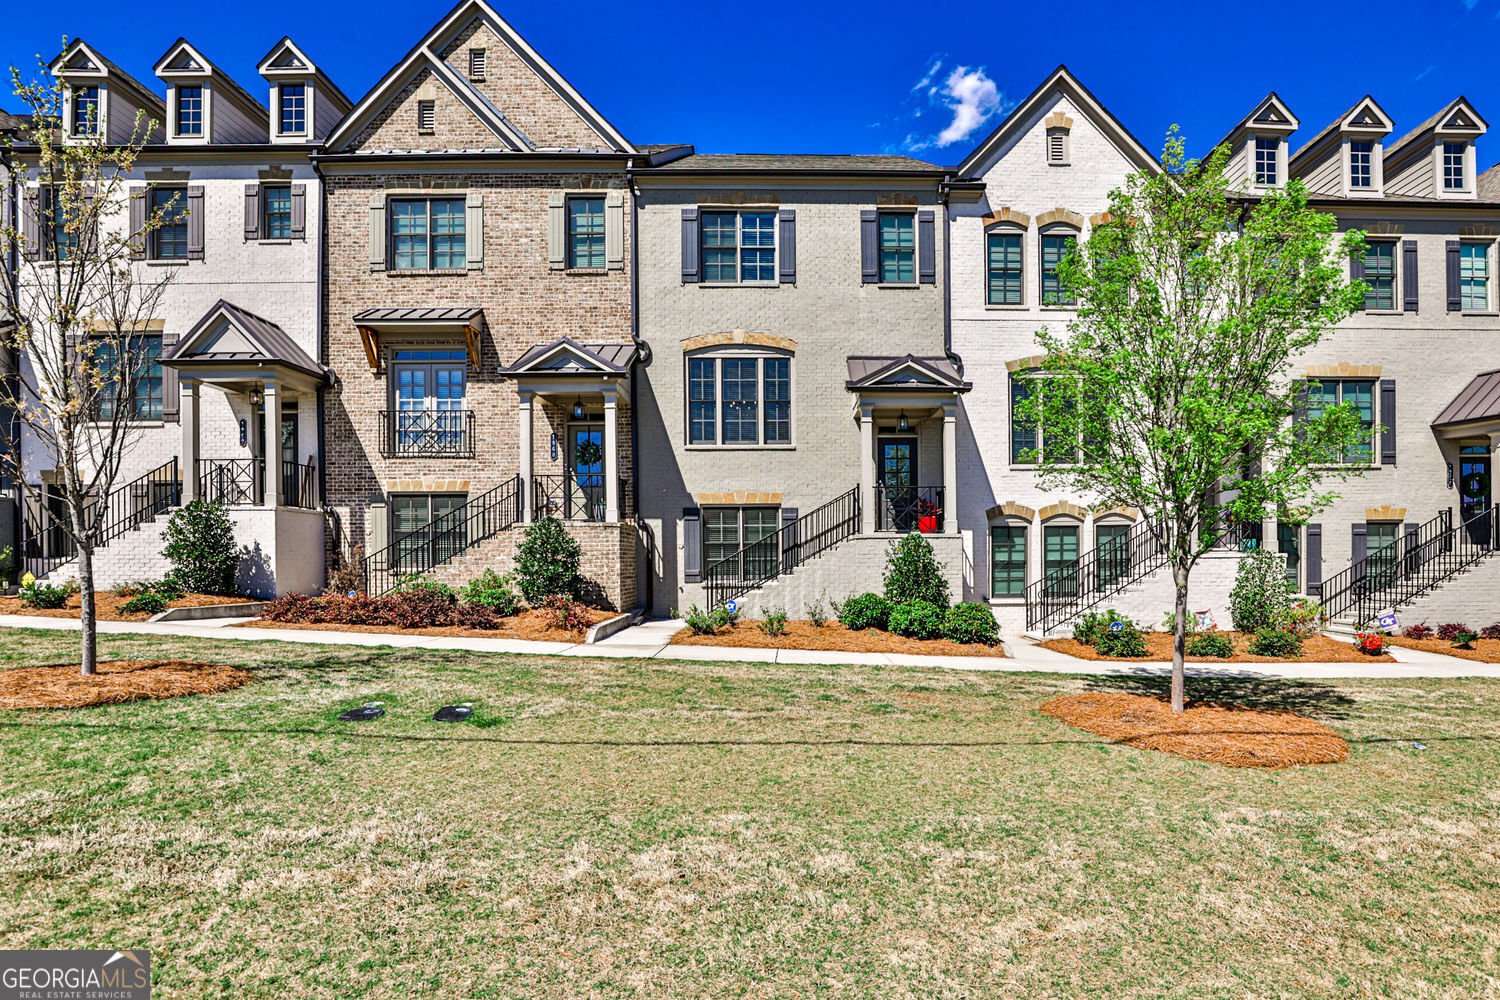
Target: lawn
x,y
662,829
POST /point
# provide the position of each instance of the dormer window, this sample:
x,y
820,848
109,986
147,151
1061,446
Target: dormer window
x,y
86,110
1361,152
293,108
1454,155
1267,152
190,110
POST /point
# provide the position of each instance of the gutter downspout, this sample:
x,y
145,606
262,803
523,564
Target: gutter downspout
x,y
320,325
958,363
10,366
644,351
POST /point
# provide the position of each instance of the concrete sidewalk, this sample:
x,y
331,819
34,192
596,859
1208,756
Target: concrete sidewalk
x,y
650,640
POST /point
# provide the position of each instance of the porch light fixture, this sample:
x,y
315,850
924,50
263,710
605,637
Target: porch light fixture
x,y
578,408
257,395
902,424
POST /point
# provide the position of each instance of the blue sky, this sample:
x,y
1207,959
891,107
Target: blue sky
x,y
849,76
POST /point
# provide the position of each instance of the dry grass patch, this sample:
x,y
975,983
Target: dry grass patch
x,y
1315,649
107,605
63,686
1484,651
833,636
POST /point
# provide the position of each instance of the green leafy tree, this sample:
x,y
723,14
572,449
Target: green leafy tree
x,y
1175,389
201,548
547,561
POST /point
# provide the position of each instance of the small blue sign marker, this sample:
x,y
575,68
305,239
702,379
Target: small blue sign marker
x,y
731,607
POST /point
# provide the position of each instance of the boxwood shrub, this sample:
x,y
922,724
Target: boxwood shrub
x,y
971,623
917,620
865,611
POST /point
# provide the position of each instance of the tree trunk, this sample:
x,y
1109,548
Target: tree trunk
x,y
1179,637
88,633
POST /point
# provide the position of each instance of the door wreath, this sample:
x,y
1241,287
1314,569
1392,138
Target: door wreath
x,y
588,453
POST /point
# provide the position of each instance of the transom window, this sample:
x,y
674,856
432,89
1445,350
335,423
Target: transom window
x,y
293,108
1004,269
1359,393
169,240
190,110
744,534
739,246
898,247
278,211
740,400
1054,249
144,352
1266,151
1360,153
86,110
1453,166
586,231
1474,276
1380,275
427,233
1007,560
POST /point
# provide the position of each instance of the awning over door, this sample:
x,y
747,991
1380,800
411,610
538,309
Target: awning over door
x,y
233,344
463,322
1476,409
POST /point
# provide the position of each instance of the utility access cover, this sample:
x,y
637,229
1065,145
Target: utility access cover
x,y
452,713
363,714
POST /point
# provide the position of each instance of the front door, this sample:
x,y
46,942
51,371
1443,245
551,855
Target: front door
x,y
292,479
585,480
1474,496
896,477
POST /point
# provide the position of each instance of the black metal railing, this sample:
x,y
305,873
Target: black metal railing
x,y
46,544
427,433
781,551
417,552
299,485
1409,567
909,508
232,480
577,496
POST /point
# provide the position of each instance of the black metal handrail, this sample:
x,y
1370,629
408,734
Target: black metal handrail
x,y
232,480
420,551
427,433
909,508
299,485
781,551
46,544
577,496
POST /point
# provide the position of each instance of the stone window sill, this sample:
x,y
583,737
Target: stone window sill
x,y
738,284
1007,307
166,263
740,447
427,272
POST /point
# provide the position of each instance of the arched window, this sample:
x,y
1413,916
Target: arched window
x,y
1004,271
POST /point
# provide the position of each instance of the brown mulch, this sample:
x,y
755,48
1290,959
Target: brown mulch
x,y
62,686
1221,734
1315,649
833,636
1484,651
107,605
534,625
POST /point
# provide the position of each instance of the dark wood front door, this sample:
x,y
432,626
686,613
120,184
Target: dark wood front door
x,y
1475,495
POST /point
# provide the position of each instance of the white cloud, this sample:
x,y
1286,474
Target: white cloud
x,y
965,97
974,99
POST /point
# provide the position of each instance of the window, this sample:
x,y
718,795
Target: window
x,y
1381,549
1112,545
1029,442
85,110
1289,544
1057,145
190,110
293,108
1054,249
476,64
1060,554
1007,560
1474,276
1004,269
745,535
725,396
1360,153
428,386
278,211
586,232
427,233
412,512
739,246
1266,155
169,240
1453,166
426,116
1361,395
1380,275
144,352
64,241
898,247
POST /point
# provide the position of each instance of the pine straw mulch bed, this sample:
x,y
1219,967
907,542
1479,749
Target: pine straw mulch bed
x,y
533,625
1316,649
835,637
1220,734
62,686
1484,651
107,604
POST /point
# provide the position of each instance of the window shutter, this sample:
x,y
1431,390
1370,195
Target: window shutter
x,y
1409,275
137,222
788,538
926,248
1312,560
1358,547
1387,421
171,395
1299,413
89,237
377,231
614,231
1357,272
299,211
869,250
692,545
557,235
1455,301
691,249
252,212
474,231
195,222
787,262
31,223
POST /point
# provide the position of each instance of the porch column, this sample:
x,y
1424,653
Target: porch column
x,y
611,457
271,448
950,468
524,431
188,414
867,470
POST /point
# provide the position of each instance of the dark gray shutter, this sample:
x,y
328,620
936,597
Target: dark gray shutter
x,y
89,236
1299,413
137,222
1455,301
1409,275
171,396
788,538
31,223
926,249
1359,545
787,265
1312,560
1387,421
692,545
1357,271
691,246
195,222
299,211
1410,555
869,248
252,212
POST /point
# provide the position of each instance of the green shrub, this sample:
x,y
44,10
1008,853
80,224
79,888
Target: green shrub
x,y
1096,623
47,596
547,561
492,591
700,622
1127,641
1281,643
201,548
917,620
1261,597
912,572
1211,644
971,623
815,615
165,587
774,624
147,602
865,611
567,614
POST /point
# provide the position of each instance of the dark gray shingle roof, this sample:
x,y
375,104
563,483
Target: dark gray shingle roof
x,y
826,162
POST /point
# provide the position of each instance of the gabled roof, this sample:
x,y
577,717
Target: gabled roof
x,y
182,59
1457,116
286,58
81,59
905,372
424,56
566,356
228,334
1365,116
1479,400
1062,79
1271,113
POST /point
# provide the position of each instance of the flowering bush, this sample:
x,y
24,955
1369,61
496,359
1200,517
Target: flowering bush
x,y
1370,643
1490,631
1303,616
1452,630
1421,631
567,614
